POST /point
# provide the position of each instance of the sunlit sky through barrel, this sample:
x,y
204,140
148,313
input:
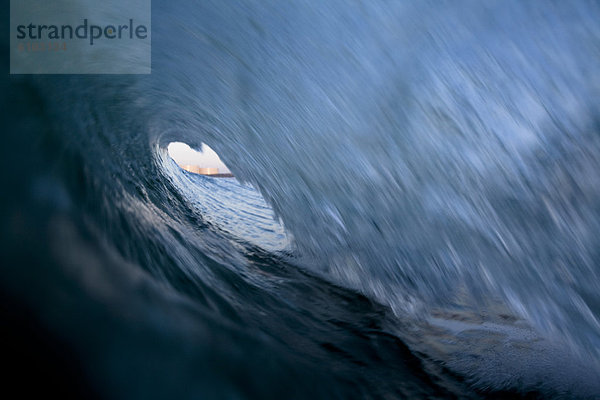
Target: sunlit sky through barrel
x,y
206,158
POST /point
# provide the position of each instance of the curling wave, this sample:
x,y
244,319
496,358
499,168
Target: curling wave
x,y
438,160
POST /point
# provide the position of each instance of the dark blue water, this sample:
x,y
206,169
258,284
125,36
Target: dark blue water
x,y
415,214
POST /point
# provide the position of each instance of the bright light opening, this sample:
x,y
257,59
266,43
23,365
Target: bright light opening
x,y
204,162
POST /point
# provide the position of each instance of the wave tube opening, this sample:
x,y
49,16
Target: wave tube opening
x,y
235,208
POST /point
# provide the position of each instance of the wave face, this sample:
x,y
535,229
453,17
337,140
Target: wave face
x,y
420,193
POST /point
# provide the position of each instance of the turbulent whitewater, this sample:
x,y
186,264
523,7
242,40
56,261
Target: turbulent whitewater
x,y
415,213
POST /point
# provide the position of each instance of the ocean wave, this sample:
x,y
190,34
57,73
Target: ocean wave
x,y
438,160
